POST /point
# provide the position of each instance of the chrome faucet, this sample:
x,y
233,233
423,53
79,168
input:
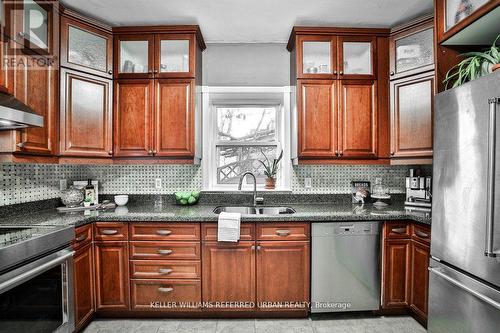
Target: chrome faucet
x,y
256,200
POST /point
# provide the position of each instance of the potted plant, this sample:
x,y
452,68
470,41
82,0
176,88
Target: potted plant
x,y
271,169
475,65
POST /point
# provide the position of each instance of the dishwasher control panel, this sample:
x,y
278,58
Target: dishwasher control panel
x,y
351,228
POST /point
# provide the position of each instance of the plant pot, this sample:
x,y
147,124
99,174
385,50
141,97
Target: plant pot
x,y
270,183
495,67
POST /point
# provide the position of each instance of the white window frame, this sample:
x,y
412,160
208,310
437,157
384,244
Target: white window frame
x,y
214,97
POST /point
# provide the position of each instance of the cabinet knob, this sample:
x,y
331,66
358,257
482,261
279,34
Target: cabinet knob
x,y
341,72
259,247
110,152
154,152
392,153
336,153
341,153
155,71
110,72
150,152
21,34
392,73
335,72
21,144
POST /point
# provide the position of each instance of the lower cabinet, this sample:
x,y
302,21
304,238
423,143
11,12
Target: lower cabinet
x,y
83,285
405,268
283,275
259,275
111,275
165,295
228,272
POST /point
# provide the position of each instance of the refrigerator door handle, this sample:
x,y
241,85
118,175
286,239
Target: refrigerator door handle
x,y
462,286
490,206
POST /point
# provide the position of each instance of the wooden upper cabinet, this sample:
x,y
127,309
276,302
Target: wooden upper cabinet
x,y
317,57
358,119
283,272
86,115
174,120
174,55
412,111
412,49
228,272
317,100
134,56
357,57
133,123
86,47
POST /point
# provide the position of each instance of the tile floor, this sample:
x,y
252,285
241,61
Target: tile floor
x,y
398,324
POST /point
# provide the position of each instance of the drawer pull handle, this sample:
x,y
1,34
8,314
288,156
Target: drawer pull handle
x,y
81,237
165,271
109,232
398,230
163,232
421,234
165,289
165,252
282,233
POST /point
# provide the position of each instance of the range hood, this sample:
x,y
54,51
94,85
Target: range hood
x,y
15,115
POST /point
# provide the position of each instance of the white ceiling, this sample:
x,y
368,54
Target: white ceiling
x,y
253,21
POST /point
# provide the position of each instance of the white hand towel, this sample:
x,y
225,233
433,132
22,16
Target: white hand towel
x,y
228,228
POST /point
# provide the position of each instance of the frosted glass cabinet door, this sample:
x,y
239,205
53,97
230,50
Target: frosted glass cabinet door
x,y
87,49
316,57
134,56
414,51
458,10
357,58
174,56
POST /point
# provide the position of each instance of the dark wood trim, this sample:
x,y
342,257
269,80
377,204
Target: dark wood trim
x,y
410,25
173,29
301,30
329,161
84,19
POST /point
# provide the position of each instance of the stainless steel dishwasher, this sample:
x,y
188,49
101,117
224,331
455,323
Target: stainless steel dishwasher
x,y
345,266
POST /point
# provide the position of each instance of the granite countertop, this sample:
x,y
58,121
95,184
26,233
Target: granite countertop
x,y
148,211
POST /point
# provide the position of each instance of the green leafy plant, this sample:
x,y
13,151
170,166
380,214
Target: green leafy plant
x,y
270,169
475,65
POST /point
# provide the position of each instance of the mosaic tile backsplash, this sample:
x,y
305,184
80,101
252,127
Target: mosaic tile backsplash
x,y
31,182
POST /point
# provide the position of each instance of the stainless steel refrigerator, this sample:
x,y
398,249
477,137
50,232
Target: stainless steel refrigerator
x,y
464,273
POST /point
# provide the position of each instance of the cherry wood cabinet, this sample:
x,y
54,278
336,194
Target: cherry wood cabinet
x,y
83,285
358,119
156,295
396,273
405,277
111,275
86,115
174,118
318,118
86,44
342,94
228,272
420,254
133,117
283,273
412,112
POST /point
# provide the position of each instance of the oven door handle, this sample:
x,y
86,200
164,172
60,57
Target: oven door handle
x,y
9,284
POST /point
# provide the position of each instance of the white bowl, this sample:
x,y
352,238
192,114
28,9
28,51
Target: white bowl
x,y
121,200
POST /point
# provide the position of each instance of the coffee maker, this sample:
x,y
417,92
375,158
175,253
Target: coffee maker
x,y
418,190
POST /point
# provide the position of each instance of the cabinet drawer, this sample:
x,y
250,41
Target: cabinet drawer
x,y
164,295
421,233
83,236
397,230
164,231
209,231
165,269
165,250
283,231
115,231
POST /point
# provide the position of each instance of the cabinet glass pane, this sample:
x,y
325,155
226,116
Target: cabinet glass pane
x,y
415,51
174,56
457,10
316,57
134,56
357,57
86,49
36,24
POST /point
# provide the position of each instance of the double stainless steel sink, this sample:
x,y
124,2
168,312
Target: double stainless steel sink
x,y
254,210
